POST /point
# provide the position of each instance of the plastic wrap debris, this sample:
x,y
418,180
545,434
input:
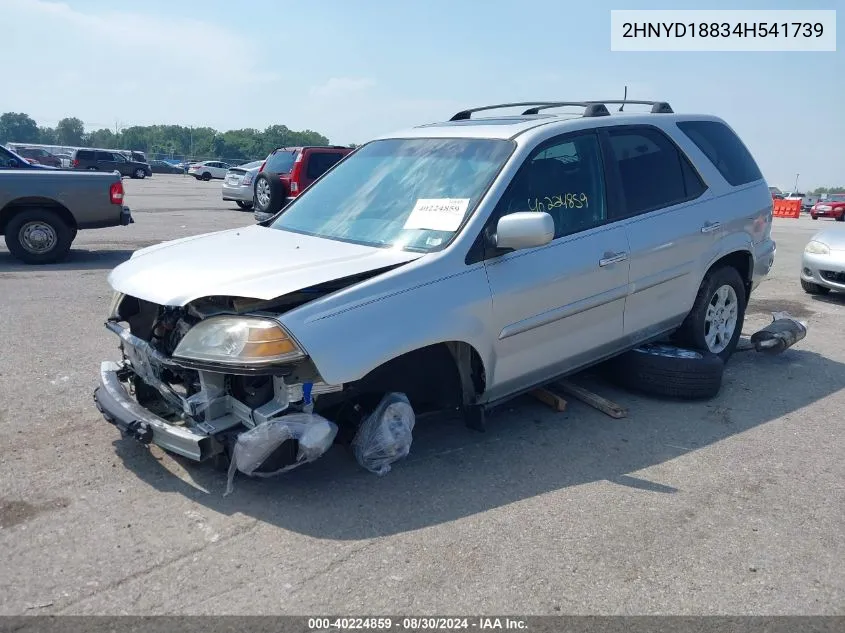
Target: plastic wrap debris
x,y
384,437
252,448
783,332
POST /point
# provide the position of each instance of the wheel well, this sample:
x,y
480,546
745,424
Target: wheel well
x,y
743,262
34,202
441,376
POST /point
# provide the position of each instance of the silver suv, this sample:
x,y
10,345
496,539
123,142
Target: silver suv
x,y
459,263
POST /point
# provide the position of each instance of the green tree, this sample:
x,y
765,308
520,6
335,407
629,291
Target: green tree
x,y
70,131
47,135
18,127
103,138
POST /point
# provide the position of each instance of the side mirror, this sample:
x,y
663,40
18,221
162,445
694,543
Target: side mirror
x,y
526,229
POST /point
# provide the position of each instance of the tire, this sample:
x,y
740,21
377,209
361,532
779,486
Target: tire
x,y
696,328
668,371
140,173
246,206
92,169
206,176
840,217
38,236
813,216
269,194
814,289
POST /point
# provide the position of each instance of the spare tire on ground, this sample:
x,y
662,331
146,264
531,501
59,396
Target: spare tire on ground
x,y
665,370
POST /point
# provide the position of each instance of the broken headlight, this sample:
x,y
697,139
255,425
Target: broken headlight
x,y
238,341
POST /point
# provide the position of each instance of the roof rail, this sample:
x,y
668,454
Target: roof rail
x,y
464,115
657,107
591,108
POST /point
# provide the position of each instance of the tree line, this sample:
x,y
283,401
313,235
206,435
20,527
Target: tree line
x,y
168,141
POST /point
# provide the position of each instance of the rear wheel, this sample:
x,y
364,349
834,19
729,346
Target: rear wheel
x,y
715,322
92,169
813,288
140,173
269,194
206,176
246,206
38,236
814,216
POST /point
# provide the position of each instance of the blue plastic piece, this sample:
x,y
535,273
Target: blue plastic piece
x,y
306,392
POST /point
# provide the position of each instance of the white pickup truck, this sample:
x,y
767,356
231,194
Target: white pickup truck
x,y
807,200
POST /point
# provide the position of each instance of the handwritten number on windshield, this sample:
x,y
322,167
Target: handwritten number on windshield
x,y
565,200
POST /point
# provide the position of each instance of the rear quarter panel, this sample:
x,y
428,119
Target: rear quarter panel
x,y
84,194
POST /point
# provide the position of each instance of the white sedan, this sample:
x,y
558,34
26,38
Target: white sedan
x,y
209,169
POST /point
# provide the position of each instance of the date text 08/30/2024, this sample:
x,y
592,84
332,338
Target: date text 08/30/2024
x,y
416,624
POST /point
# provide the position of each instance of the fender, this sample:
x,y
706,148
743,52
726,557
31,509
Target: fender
x,y
346,339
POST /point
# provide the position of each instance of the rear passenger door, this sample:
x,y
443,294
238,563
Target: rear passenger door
x,y
105,161
317,163
668,231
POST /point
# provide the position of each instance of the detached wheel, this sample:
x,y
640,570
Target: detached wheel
x,y
669,371
269,194
813,289
246,206
38,236
206,176
715,322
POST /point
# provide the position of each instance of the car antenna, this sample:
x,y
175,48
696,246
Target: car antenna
x,y
624,98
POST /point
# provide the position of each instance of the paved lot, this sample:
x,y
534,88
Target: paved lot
x,y
731,506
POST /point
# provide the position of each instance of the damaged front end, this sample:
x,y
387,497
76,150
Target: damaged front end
x,y
193,379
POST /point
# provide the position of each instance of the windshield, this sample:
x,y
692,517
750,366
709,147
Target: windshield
x,y
405,193
836,197
281,162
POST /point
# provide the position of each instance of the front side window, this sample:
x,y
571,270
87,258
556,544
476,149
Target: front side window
x,y
401,193
565,179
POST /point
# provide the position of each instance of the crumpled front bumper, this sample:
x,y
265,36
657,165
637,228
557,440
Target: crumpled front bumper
x,y
120,409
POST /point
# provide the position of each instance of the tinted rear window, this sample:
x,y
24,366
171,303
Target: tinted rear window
x,y
320,162
85,154
724,149
281,162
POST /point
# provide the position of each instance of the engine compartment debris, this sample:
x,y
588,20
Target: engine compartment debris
x,y
385,436
313,434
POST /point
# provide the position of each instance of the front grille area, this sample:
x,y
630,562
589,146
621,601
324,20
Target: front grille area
x,y
835,277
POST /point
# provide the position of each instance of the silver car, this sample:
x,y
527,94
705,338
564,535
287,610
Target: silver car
x,y
459,263
823,263
238,184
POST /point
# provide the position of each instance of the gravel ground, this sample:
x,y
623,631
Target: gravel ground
x,y
733,506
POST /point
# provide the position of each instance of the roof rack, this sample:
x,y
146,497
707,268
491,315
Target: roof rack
x,y
591,108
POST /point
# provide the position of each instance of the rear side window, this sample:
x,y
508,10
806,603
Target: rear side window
x,y
281,162
654,173
84,154
320,162
724,149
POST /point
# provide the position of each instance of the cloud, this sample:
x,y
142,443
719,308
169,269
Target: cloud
x,y
342,87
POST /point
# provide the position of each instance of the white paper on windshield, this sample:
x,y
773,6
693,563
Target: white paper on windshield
x,y
437,214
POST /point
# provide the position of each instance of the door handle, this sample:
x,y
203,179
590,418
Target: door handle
x,y
613,258
709,227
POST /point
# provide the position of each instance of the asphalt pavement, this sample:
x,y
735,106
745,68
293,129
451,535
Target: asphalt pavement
x,y
732,506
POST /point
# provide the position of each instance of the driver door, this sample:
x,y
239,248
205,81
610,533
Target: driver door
x,y
560,306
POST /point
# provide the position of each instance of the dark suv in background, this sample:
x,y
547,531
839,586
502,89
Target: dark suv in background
x,y
110,160
289,170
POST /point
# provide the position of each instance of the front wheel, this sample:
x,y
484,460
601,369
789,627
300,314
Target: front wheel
x,y
814,216
813,288
38,236
246,206
840,217
715,322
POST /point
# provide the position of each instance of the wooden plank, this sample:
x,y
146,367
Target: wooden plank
x,y
550,399
593,399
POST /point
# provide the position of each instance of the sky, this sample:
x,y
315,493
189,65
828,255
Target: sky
x,y
355,69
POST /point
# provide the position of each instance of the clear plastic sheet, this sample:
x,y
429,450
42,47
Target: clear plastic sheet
x,y
252,448
385,436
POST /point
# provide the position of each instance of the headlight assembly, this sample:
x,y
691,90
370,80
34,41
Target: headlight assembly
x,y
817,248
234,340
116,300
